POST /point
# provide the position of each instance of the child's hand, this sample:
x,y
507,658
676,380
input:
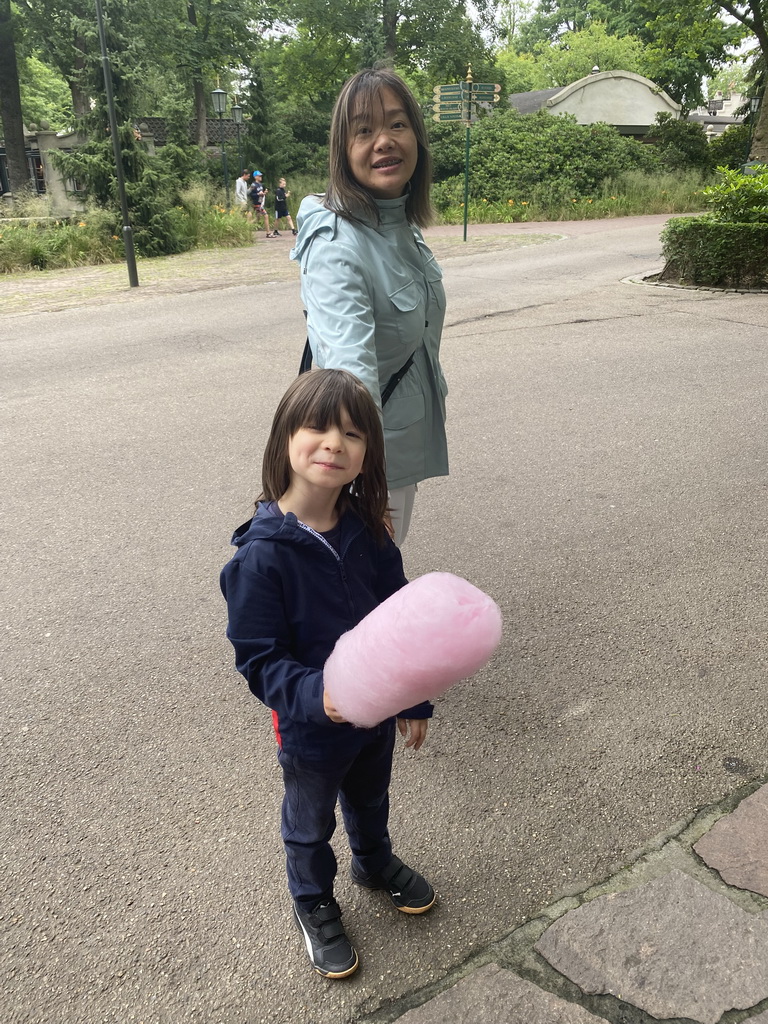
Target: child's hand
x,y
417,728
330,710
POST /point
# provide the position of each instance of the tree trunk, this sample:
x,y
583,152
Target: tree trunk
x,y
81,101
759,148
10,101
198,87
389,19
200,113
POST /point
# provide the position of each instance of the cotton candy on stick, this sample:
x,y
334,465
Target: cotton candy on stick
x,y
436,631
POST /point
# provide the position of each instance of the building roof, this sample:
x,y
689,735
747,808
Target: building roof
x,y
530,102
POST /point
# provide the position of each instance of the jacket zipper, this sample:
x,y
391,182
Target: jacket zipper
x,y
335,554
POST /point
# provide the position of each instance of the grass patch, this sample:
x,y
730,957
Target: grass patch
x,y
632,193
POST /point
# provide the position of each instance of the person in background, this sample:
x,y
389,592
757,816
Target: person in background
x,y
258,194
281,207
241,194
372,289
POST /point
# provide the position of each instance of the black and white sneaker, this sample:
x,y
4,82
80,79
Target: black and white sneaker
x,y
329,950
407,889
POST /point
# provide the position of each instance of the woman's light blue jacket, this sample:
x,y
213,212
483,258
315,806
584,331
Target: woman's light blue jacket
x,y
374,295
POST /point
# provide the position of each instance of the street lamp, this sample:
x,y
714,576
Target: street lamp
x,y
237,114
130,252
219,98
754,106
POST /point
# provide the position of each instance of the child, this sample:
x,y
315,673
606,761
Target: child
x,y
258,194
314,560
281,207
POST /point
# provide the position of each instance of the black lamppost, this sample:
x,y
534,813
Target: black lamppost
x,y
237,114
754,106
130,254
219,98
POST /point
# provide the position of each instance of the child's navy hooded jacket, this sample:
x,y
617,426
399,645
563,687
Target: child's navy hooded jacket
x,y
290,596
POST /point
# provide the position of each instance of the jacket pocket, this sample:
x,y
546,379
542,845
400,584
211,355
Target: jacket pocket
x,y
408,312
405,437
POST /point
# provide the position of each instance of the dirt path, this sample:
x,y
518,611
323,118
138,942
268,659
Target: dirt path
x,y
264,261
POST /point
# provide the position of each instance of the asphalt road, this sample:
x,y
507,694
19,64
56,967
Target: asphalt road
x,y
609,488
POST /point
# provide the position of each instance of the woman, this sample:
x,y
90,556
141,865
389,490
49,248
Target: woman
x,y
372,289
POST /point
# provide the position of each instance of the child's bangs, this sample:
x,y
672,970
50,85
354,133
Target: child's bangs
x,y
324,406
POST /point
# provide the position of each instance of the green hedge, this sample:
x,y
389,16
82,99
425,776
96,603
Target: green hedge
x,y
707,251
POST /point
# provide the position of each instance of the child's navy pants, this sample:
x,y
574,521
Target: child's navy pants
x,y
360,782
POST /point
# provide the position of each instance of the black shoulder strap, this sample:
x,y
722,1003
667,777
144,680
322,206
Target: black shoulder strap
x,y
395,379
306,358
386,394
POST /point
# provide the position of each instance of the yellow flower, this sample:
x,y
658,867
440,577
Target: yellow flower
x,y
523,203
589,200
574,200
81,224
613,197
116,238
511,202
485,200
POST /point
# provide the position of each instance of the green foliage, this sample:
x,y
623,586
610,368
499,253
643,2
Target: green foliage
x,y
708,251
523,72
631,193
682,145
731,149
516,156
576,53
688,41
732,78
739,198
728,247
96,236
62,243
45,96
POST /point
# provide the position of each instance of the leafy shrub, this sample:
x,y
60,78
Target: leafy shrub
x,y
681,145
708,251
96,236
64,243
731,149
540,156
739,198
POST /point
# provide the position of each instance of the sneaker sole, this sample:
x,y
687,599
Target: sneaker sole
x,y
319,970
403,910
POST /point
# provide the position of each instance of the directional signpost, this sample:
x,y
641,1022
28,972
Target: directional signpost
x,y
459,102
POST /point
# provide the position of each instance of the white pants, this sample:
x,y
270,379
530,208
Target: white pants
x,y
400,506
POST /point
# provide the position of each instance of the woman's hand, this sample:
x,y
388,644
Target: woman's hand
x,y
417,727
330,710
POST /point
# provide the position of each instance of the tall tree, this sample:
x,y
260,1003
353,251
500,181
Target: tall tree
x,y
64,30
680,25
218,36
424,39
10,101
685,40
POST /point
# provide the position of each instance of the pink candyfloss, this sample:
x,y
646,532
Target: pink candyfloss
x,y
436,631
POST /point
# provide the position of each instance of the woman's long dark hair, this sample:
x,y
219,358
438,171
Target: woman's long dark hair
x,y
316,399
345,195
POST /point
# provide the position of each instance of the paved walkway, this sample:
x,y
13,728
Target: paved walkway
x,y
678,935
264,262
